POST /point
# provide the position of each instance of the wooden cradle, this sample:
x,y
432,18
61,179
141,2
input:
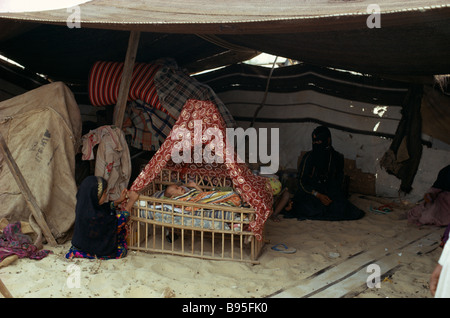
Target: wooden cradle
x,y
206,231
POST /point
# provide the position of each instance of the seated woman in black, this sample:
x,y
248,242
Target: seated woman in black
x,y
100,226
320,177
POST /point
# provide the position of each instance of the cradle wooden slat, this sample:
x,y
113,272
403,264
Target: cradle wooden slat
x,y
206,231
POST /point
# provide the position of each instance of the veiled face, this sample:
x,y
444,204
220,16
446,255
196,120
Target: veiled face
x,y
321,138
320,142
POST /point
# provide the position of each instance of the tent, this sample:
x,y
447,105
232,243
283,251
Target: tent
x,y
42,129
197,121
410,46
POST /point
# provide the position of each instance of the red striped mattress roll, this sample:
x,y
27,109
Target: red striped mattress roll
x,y
104,83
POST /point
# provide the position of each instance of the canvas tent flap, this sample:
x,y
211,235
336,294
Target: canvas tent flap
x,y
42,129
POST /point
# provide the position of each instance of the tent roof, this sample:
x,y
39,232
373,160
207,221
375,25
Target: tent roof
x,y
412,40
226,17
68,54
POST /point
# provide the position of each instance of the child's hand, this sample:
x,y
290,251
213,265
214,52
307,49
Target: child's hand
x,y
122,198
123,195
132,197
194,185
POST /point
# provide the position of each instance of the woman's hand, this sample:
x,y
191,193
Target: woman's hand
x,y
129,196
123,197
324,199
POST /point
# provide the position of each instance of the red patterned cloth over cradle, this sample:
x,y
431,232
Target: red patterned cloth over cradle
x,y
253,189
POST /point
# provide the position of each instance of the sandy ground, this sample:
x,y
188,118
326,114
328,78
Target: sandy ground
x,y
318,245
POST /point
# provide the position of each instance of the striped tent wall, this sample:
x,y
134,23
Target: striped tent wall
x,y
301,97
362,111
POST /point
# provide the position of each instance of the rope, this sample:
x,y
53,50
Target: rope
x,y
265,92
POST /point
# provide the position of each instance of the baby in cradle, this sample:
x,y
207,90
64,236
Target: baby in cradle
x,y
193,193
175,190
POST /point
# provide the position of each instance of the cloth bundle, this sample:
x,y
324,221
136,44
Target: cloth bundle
x,y
14,242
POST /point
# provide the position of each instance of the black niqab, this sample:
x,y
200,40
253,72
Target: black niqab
x,y
322,151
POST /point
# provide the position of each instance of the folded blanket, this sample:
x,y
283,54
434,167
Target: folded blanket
x,y
175,87
146,126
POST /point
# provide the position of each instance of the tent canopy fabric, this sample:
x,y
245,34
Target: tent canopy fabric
x,y
254,190
214,17
69,54
412,38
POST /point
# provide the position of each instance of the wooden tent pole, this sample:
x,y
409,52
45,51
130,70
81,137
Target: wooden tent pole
x,y
4,291
29,198
127,74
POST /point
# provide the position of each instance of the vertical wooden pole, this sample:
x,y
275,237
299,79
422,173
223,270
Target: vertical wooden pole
x,y
4,291
29,198
127,74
